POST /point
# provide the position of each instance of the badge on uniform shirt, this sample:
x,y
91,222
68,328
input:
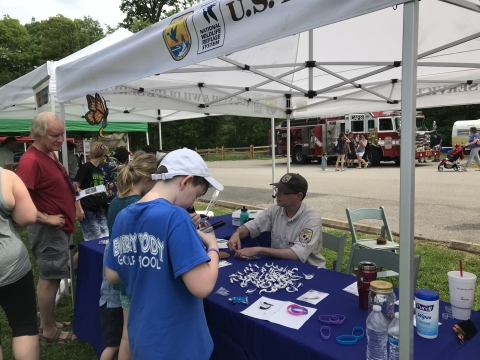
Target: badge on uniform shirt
x,y
305,236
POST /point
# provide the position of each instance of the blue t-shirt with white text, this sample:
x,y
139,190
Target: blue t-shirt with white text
x,y
152,244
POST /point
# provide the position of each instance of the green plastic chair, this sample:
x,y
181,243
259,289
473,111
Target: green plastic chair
x,y
383,259
335,243
371,214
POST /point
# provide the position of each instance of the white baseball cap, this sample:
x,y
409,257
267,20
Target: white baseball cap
x,y
186,162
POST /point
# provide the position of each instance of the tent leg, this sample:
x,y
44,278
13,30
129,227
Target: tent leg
x,y
71,247
64,144
160,134
407,174
272,142
148,140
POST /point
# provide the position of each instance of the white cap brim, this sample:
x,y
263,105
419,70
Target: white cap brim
x,y
214,183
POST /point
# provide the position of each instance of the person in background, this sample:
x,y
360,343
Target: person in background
x,y
342,143
324,161
72,160
53,195
296,229
474,148
362,144
150,149
17,289
351,151
436,144
118,157
6,153
134,181
167,292
90,210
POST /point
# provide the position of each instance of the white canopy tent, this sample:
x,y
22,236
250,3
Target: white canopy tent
x,y
266,60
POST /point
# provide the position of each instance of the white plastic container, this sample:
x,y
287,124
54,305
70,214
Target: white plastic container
x,y
462,293
252,214
426,313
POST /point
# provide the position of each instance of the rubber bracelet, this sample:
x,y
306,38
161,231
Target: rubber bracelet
x,y
362,332
346,339
332,319
213,249
296,310
328,330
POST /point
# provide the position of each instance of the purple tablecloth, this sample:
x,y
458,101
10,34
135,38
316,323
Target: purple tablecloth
x,y
237,336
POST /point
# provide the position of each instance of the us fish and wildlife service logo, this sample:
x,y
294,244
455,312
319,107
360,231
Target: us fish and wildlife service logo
x,y
305,236
209,26
177,37
286,178
270,105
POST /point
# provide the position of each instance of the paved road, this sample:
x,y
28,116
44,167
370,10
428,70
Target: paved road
x,y
446,206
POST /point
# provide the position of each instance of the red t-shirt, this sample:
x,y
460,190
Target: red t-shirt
x,y
49,185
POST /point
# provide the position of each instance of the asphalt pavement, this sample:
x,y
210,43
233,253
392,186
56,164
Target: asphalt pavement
x,y
446,206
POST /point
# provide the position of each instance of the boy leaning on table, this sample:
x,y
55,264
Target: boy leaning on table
x,y
159,256
296,228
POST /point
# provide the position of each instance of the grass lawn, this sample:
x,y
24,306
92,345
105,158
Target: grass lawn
x,y
436,261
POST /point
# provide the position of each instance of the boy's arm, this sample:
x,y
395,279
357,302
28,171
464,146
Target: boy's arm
x,y
201,279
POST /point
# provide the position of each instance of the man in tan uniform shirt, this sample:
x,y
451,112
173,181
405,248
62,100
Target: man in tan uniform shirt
x,y
296,229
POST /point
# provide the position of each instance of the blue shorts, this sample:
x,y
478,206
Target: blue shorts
x,y
94,225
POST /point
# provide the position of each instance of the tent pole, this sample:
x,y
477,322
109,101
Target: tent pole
x,y
148,140
159,118
84,152
128,142
64,144
288,107
407,174
272,144
310,58
160,134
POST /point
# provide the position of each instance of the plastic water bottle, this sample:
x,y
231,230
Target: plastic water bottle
x,y
243,216
393,336
377,335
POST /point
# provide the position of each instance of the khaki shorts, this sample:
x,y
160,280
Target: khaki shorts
x,y
50,249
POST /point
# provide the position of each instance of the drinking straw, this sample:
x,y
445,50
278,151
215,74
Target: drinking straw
x,y
461,270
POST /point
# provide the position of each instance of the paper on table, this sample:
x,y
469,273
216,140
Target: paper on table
x,y
222,243
352,289
223,263
91,191
277,313
313,297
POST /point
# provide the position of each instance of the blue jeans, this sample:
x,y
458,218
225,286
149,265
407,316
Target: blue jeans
x,y
94,226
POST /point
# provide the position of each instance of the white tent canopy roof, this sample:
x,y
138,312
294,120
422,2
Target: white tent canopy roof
x,y
351,73
17,101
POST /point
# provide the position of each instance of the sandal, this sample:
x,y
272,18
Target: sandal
x,y
56,340
64,325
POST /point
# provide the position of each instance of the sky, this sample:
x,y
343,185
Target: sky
x,y
105,11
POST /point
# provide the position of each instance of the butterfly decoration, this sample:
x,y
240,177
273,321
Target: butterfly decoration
x,y
98,112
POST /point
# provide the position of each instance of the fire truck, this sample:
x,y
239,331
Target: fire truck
x,y
311,138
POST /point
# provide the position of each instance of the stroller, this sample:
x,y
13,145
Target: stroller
x,y
450,162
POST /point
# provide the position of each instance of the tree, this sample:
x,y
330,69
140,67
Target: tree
x,y
58,36
16,57
143,12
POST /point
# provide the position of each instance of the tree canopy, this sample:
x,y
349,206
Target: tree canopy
x,y
148,12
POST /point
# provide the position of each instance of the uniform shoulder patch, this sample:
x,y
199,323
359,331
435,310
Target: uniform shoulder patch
x,y
305,236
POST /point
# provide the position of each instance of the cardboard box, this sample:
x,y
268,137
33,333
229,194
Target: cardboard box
x,y
252,214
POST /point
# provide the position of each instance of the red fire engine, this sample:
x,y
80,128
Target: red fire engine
x,y
311,138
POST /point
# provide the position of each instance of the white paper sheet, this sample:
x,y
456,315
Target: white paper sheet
x,y
313,297
352,289
223,263
91,191
222,243
277,313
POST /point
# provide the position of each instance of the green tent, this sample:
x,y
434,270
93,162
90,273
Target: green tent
x,y
77,129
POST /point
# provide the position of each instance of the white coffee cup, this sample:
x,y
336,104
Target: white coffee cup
x,y
462,291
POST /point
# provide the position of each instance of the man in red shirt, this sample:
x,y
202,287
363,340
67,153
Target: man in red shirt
x,y
52,194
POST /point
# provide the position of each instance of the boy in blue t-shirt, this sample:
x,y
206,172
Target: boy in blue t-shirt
x,y
159,255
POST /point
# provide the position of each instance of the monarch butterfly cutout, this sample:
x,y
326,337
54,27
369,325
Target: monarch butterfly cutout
x,y
98,112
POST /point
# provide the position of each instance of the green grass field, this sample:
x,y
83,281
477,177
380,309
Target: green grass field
x,y
436,261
